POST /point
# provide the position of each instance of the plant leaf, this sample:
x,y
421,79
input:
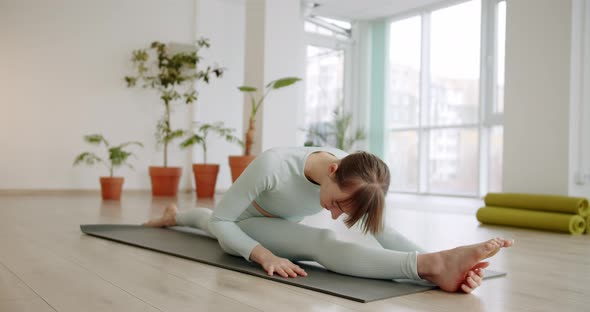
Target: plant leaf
x,y
87,158
118,156
192,140
94,139
247,89
173,135
283,82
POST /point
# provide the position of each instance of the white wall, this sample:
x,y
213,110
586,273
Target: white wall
x,y
536,118
63,64
222,21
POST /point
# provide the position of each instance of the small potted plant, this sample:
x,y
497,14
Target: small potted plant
x,y
239,163
173,76
111,186
206,174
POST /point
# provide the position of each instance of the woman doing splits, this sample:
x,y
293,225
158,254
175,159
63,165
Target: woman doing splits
x,y
258,219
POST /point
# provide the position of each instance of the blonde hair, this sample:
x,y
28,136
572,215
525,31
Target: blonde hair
x,y
368,176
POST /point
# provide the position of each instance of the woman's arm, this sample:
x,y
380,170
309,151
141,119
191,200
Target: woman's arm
x,y
259,176
271,263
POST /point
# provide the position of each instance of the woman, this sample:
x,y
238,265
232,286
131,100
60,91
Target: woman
x,y
258,219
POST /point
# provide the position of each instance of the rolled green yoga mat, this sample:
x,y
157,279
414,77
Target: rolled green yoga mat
x,y
587,225
551,221
554,203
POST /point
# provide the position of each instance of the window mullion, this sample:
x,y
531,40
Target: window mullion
x,y
487,62
424,135
486,93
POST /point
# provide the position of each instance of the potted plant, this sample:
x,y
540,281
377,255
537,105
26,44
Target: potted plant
x,y
205,173
239,163
111,186
173,76
334,133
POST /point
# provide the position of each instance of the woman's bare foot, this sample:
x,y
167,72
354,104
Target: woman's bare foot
x,y
449,269
168,218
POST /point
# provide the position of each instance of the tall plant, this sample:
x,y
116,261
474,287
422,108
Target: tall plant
x,y
173,76
257,104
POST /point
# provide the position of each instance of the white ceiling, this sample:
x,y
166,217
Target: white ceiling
x,y
352,10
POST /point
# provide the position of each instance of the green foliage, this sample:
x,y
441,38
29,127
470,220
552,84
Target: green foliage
x,y
118,156
173,76
283,82
200,137
247,89
273,85
335,133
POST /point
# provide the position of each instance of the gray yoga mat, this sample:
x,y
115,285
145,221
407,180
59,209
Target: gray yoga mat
x,y
189,244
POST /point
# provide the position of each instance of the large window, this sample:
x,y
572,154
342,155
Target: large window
x,y
443,104
324,83
328,45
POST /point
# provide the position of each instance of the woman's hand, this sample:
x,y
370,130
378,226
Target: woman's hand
x,y
283,267
273,264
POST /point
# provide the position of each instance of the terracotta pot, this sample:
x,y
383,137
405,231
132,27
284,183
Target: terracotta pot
x,y
205,179
165,180
238,164
111,187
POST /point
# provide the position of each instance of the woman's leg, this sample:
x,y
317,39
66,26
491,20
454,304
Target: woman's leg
x,y
300,242
391,239
195,217
168,217
447,269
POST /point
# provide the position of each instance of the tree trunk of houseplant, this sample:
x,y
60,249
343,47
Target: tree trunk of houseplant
x,y
111,187
249,138
165,180
205,179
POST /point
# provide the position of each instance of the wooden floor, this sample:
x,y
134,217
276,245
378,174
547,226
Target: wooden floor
x,y
47,264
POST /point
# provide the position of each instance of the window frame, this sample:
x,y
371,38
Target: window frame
x,y
336,42
486,118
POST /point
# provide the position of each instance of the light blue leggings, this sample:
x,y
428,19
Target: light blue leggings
x,y
298,242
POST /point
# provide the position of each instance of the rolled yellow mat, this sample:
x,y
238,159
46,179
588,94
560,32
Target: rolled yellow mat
x,y
555,203
587,225
551,221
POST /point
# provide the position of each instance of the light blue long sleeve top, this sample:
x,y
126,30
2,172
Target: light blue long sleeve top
x,y
276,181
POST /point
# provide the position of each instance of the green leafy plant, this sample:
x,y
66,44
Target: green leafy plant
x,y
257,104
335,133
117,155
173,76
200,137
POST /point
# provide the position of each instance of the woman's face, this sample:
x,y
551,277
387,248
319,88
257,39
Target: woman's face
x,y
332,198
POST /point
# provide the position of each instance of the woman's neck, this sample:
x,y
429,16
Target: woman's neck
x,y
317,166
